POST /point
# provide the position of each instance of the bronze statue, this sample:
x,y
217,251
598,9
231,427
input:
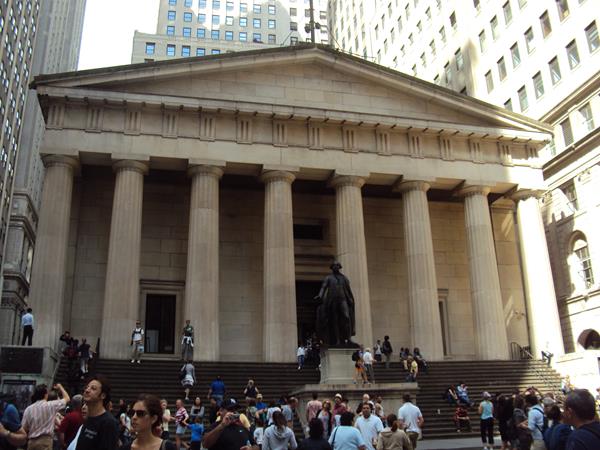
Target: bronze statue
x,y
335,315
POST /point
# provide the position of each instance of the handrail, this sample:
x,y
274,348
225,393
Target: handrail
x,y
525,354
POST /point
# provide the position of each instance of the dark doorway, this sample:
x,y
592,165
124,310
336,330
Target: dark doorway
x,y
306,308
160,323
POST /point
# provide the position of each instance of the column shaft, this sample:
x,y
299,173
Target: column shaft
x,y
122,289
352,250
280,328
202,276
544,322
425,324
50,258
490,329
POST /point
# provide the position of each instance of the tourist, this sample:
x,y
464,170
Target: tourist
x,y
313,407
279,436
411,417
187,342
137,342
251,413
261,408
147,415
462,419
339,408
197,409
535,421
315,440
100,430
462,391
369,426
84,414
166,419
27,323
188,378
365,399
345,436
404,354
197,430
85,354
504,412
387,351
486,415
289,409
124,423
259,432
392,437
413,370
228,433
557,435
181,417
66,340
272,409
359,371
518,428
450,396
217,390
11,431
251,391
368,362
326,418
71,423
213,410
580,413
377,351
420,359
300,353
38,418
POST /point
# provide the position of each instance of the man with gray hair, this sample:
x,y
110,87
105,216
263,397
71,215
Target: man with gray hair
x,y
71,422
580,412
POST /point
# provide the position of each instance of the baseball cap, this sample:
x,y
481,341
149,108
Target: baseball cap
x,y
337,396
230,404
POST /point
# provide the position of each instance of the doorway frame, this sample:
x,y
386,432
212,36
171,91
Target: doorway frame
x,y
175,288
443,295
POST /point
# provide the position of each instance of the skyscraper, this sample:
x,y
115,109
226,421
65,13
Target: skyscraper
x,y
58,26
203,27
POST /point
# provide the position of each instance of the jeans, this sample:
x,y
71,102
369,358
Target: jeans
x,y
487,430
300,360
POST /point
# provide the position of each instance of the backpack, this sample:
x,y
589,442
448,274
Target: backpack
x,y
386,347
355,356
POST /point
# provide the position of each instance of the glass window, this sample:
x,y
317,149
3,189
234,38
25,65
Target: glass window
x,y
529,40
215,51
453,20
448,73
571,195
272,39
256,23
228,20
423,60
494,27
523,102
545,24
458,56
243,36
567,131
229,35
170,50
515,55
432,47
200,51
171,15
573,54
538,85
293,40
293,12
187,32
501,69
187,3
185,50
201,33
554,67
201,18
476,4
256,37
587,120
442,33
489,81
585,263
294,26
173,2
201,3
591,34
243,21
507,12
482,41
243,7
170,30
271,9
272,24
216,4
214,35
508,104
229,6
522,3
216,19
419,26
150,48
563,9
256,8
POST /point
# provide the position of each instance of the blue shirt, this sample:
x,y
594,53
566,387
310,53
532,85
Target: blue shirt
x,y
586,437
346,438
10,418
27,319
486,410
217,387
556,436
535,419
197,431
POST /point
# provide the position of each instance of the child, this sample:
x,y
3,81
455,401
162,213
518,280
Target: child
x,y
197,430
259,432
461,419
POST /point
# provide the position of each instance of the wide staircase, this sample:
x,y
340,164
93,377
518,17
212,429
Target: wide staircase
x,y
161,377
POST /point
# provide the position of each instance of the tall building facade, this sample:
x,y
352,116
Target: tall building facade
x,y
59,26
204,27
540,58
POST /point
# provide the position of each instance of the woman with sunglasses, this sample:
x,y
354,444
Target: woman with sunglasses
x,y
147,415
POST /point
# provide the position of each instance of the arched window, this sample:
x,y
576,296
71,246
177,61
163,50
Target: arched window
x,y
589,339
582,274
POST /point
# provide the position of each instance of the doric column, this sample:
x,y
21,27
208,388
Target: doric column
x,y
490,329
280,329
544,322
425,324
202,276
50,258
351,250
122,289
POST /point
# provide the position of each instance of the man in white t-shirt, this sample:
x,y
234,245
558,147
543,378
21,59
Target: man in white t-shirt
x,y
368,361
369,426
410,415
300,355
137,341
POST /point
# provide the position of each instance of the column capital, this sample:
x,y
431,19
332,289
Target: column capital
x,y
347,180
204,169
468,191
524,194
131,164
277,175
61,160
417,185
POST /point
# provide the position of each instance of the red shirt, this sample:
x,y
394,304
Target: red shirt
x,y
70,424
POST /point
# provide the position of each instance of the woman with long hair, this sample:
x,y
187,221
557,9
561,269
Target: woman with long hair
x,y
278,436
326,418
315,440
147,415
392,437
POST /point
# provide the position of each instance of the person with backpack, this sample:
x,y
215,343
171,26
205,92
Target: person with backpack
x,y
557,435
386,349
535,422
519,432
580,413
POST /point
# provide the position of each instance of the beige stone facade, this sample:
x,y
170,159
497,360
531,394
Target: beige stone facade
x,y
220,189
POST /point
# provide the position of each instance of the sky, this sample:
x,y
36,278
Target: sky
x,y
108,30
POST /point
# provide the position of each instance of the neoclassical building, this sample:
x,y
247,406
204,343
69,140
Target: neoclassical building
x,y
220,189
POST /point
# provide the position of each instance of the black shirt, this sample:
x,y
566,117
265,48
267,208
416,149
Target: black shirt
x,y
233,436
314,444
99,433
586,437
166,445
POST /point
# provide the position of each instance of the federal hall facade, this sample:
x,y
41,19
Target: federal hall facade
x,y
220,189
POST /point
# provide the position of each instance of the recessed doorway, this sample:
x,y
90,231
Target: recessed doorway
x,y
160,323
306,308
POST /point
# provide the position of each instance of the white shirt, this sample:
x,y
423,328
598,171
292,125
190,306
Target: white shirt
x,y
367,358
300,351
410,414
369,429
377,349
258,435
138,333
27,319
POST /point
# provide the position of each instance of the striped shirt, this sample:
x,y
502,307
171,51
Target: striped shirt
x,y
38,418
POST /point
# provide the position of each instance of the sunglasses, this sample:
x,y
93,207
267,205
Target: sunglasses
x,y
139,413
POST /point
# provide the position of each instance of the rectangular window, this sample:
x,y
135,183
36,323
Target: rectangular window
x,y
243,7
170,50
201,33
501,69
523,102
494,27
453,20
554,67
293,12
214,35
272,39
545,24
256,8
585,264
187,32
185,51
216,19
442,33
215,51
229,5
293,40
538,85
256,23
171,15
428,14
256,37
482,45
200,51
529,40
515,55
458,56
187,16
170,30
489,81
172,2
201,3
272,25
228,20
423,60
587,120
294,27
419,26
567,131
522,3
476,4
508,104
563,9
243,21
432,47
229,35
243,36
591,34
216,4
201,18
448,73
271,9
507,12
573,54
571,195
150,48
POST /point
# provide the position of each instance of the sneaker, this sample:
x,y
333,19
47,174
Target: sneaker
x,y
132,361
139,362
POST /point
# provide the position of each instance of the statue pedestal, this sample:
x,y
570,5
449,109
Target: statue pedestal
x,y
337,366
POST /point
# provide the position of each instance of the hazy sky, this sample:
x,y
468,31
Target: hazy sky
x,y
108,30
